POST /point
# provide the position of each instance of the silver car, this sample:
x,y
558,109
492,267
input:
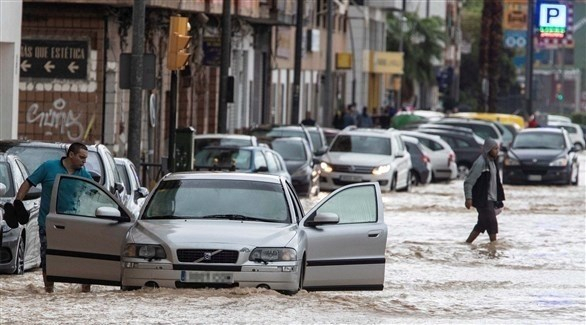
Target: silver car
x,y
135,192
219,229
20,246
443,158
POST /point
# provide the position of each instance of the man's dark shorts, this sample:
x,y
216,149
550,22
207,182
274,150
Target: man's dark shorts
x,y
43,238
487,219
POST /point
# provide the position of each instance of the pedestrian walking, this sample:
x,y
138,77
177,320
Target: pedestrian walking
x,y
484,191
308,120
364,120
72,164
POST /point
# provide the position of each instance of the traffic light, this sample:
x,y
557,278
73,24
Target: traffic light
x,y
177,54
559,94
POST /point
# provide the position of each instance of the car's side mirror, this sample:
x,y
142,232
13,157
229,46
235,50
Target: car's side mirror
x,y
322,218
142,192
119,187
95,176
111,213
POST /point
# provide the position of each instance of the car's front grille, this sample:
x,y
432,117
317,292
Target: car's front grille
x,y
207,256
352,169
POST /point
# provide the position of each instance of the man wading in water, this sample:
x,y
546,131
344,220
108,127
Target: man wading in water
x,y
484,191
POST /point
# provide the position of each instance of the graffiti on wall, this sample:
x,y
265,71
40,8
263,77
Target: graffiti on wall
x,y
57,118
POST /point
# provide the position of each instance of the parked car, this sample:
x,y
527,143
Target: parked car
x,y
483,129
302,167
441,155
366,155
220,229
574,132
243,159
542,155
421,170
201,141
20,246
466,146
503,118
315,135
135,192
100,162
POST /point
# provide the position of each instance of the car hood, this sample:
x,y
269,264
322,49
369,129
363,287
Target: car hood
x,y
541,154
350,158
194,233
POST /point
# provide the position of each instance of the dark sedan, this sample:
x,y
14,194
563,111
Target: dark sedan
x,y
541,155
300,164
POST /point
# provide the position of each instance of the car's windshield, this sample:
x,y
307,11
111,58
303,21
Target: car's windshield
x,y
539,141
33,157
6,179
224,158
362,144
316,138
218,199
290,150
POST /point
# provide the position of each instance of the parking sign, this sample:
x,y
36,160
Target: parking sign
x,y
552,19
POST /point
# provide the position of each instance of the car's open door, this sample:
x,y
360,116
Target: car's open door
x,y
347,239
86,227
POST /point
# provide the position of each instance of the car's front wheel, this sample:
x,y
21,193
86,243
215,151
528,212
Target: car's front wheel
x,y
19,262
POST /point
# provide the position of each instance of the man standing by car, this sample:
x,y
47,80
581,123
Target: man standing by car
x,y
484,191
46,173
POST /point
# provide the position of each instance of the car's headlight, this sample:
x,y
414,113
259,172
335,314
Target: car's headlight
x,y
381,170
511,162
272,254
560,162
325,167
145,251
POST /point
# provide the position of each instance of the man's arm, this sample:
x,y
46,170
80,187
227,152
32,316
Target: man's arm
x,y
475,172
23,190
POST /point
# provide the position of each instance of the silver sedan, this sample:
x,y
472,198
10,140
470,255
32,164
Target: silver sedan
x,y
219,229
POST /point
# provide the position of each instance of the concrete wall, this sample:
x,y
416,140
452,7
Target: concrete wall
x,y
10,22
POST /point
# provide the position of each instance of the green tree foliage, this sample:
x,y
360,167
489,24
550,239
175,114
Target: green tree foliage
x,y
502,70
423,43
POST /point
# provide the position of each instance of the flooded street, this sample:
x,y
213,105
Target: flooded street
x,y
535,273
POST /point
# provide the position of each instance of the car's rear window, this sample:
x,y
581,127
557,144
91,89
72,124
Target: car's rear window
x,y
199,144
224,158
218,199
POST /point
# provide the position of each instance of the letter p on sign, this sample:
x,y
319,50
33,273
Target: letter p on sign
x,y
552,15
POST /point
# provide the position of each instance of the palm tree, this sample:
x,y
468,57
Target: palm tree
x,y
423,43
491,39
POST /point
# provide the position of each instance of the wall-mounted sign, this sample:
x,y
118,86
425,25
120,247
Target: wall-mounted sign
x,y
552,18
212,51
54,59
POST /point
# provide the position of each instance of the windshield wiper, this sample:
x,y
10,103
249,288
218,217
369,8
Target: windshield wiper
x,y
234,217
164,217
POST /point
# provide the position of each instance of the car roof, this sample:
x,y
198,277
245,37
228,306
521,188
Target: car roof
x,y
223,135
368,131
542,130
7,144
219,175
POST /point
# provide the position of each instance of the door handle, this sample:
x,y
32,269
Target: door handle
x,y
59,227
374,234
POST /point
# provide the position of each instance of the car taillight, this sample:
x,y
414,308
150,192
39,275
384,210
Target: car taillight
x,y
451,157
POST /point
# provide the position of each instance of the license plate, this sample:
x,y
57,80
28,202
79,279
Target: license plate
x,y
206,277
349,178
534,178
